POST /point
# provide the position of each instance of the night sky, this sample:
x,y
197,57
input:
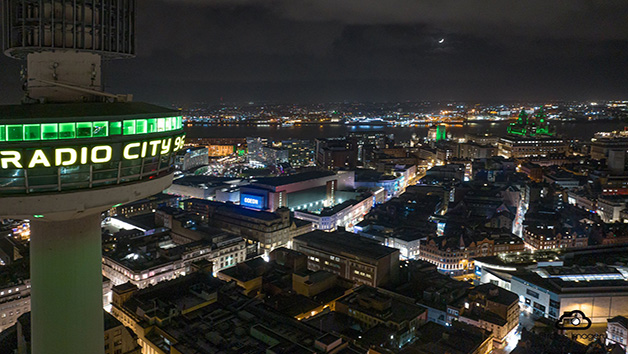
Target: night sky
x,y
369,50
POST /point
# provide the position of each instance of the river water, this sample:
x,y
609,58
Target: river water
x,y
581,130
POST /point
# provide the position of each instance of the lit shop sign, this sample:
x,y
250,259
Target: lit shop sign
x,y
94,154
252,201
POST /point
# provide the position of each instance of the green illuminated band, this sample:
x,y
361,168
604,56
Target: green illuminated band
x,y
93,129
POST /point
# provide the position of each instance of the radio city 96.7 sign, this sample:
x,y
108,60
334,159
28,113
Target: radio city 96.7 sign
x,y
92,154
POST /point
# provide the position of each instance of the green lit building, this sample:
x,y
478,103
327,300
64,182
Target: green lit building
x,y
437,132
531,126
531,136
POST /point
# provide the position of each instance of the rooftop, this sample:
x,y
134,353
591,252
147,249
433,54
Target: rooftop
x,y
559,286
437,339
366,175
399,311
300,177
497,294
235,210
225,322
619,319
346,243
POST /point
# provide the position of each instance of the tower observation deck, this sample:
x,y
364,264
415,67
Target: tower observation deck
x,y
70,151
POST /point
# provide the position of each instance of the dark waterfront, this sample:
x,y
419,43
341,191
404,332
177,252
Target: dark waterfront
x,y
584,130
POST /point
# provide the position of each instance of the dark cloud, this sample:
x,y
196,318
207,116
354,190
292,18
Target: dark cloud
x,y
541,18
318,50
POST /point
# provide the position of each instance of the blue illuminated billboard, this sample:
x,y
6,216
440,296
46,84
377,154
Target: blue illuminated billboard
x,y
252,201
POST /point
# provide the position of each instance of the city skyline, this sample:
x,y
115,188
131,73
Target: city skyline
x,y
329,177
300,51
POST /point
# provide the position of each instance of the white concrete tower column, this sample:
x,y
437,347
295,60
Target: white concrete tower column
x,y
66,286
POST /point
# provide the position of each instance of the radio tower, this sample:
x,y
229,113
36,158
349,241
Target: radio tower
x,y
70,151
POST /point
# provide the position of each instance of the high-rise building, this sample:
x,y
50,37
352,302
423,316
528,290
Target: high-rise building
x,y
336,153
192,158
71,151
437,132
604,142
255,152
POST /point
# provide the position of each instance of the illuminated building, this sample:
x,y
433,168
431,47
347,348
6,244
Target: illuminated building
x,y
269,230
617,331
201,314
118,338
345,214
336,153
204,187
301,152
531,127
609,207
406,239
220,150
551,291
457,338
192,158
602,145
369,142
275,155
532,170
563,179
219,147
547,288
300,191
155,257
454,255
441,132
255,153
518,146
22,231
543,235
482,139
373,306
145,206
350,256
15,300
394,183
489,307
452,171
71,151
437,133
472,150
528,137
